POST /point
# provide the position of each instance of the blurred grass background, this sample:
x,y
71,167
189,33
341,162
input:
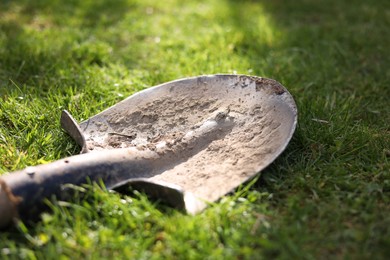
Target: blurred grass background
x,y
327,196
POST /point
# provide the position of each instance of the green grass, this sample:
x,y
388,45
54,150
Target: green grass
x,y
327,196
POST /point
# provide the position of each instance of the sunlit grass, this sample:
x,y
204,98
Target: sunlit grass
x,y
327,196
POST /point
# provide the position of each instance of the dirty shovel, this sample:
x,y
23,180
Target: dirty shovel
x,y
187,142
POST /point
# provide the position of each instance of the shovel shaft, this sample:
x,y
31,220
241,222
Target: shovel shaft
x,y
22,192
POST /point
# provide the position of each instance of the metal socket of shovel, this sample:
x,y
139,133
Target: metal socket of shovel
x,y
187,142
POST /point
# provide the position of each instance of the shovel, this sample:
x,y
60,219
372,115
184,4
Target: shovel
x,y
186,142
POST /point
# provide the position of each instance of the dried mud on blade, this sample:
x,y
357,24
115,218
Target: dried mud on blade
x,y
187,142
210,133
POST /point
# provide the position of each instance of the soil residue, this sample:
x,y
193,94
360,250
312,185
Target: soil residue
x,y
229,154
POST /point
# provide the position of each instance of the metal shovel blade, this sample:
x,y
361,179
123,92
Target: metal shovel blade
x,y
214,132
188,141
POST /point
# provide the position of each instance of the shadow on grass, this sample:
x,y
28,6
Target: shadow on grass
x,y
35,52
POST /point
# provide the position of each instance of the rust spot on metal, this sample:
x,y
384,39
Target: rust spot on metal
x,y
12,201
269,85
15,200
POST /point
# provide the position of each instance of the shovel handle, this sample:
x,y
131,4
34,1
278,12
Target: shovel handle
x,y
22,192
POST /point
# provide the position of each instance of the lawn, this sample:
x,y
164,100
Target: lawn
x,y
326,196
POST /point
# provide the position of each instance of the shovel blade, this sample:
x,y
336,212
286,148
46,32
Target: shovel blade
x,y
259,117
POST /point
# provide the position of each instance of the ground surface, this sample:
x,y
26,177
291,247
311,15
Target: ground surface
x,y
327,196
